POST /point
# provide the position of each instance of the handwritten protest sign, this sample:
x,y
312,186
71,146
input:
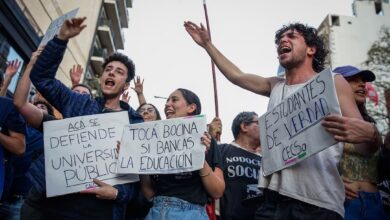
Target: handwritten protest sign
x,y
55,26
291,131
167,146
82,148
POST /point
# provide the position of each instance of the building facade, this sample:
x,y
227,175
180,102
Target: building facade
x,y
18,38
350,38
102,36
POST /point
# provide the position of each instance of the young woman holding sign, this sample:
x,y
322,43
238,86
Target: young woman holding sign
x,y
184,195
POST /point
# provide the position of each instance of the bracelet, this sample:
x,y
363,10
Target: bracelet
x,y
204,175
116,194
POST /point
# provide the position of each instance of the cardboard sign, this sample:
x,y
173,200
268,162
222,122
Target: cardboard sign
x,y
82,148
292,130
166,146
55,26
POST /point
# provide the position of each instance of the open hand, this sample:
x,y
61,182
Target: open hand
x,y
12,67
138,85
71,28
199,34
350,192
345,129
75,74
125,96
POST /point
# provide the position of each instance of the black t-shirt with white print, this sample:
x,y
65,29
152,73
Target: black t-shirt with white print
x,y
241,170
187,186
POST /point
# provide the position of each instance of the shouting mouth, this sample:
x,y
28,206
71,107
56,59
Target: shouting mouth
x,y
284,50
109,83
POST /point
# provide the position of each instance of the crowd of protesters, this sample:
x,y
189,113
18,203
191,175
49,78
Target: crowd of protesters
x,y
350,179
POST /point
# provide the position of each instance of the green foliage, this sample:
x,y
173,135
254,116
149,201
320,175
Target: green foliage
x,y
379,62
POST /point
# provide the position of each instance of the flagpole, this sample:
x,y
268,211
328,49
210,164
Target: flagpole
x,y
212,63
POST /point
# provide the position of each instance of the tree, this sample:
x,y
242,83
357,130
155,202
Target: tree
x,y
379,62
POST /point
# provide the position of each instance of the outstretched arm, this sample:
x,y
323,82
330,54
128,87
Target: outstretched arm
x,y
44,71
12,68
251,82
32,114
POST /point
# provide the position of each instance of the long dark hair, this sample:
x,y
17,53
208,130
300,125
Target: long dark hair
x,y
158,116
191,98
364,113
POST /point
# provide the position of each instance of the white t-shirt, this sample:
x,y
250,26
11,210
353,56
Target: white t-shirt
x,y
315,180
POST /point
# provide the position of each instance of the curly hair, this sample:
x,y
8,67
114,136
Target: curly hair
x,y
125,60
312,39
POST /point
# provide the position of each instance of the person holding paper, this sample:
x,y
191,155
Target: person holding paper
x,y
312,188
241,169
184,195
104,202
359,172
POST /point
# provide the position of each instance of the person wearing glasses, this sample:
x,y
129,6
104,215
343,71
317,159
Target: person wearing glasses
x,y
241,163
149,112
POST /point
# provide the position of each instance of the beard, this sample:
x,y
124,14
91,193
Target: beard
x,y
293,62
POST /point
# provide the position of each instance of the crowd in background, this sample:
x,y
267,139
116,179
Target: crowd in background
x,y
350,179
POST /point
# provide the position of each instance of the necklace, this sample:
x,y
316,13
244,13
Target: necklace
x,y
284,86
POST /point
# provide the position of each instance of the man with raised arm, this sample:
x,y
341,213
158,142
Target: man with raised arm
x,y
312,188
105,202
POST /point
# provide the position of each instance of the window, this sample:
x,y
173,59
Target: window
x,y
335,21
378,8
8,53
